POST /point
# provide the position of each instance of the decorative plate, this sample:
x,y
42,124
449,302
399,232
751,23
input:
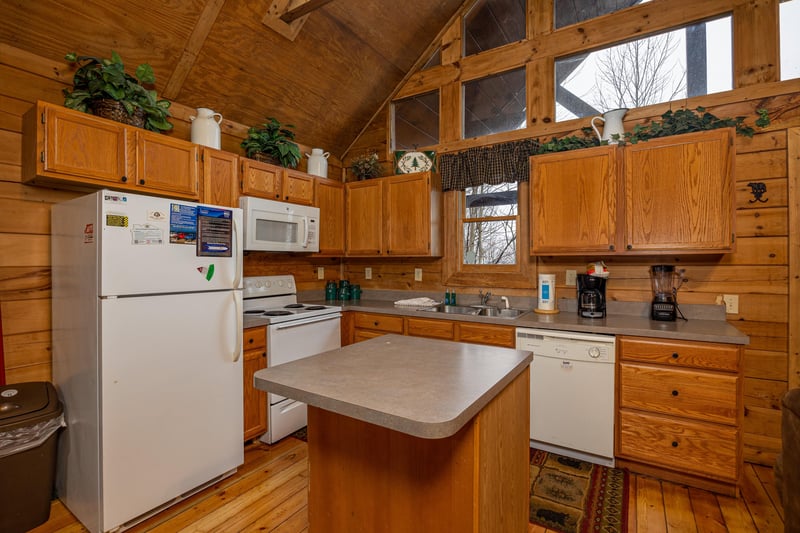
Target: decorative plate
x,y
406,162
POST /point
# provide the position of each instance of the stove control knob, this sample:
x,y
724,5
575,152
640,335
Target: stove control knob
x,y
259,284
267,284
280,283
594,352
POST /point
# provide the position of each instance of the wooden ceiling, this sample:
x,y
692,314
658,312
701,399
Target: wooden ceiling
x,y
347,58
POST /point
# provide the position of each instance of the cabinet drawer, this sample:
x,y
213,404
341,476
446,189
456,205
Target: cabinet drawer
x,y
706,355
255,338
694,394
366,334
385,323
486,334
437,329
695,447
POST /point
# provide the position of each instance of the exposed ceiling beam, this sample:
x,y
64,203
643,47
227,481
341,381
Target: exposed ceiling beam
x,y
302,8
288,16
199,34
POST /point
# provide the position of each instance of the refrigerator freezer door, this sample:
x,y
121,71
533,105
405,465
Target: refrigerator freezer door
x,y
171,398
148,246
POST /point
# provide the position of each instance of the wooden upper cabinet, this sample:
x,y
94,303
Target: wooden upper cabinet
x,y
167,166
298,187
329,197
220,177
679,193
261,179
63,145
412,205
573,201
364,221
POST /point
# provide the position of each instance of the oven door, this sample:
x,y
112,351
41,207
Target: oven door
x,y
296,339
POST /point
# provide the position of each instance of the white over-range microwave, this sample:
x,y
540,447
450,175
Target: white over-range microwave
x,y
271,226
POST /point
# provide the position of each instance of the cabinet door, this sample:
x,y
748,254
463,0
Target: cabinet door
x,y
220,178
679,193
329,197
364,221
167,166
573,201
82,148
486,334
407,214
298,187
255,401
261,179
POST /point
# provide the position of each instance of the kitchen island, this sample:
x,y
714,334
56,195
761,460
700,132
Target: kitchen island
x,y
408,434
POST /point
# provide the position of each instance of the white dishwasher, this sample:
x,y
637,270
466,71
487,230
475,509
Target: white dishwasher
x,y
572,393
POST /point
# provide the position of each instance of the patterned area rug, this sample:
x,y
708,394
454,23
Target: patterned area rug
x,y
574,496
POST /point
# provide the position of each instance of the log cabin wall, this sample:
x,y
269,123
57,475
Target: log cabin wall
x,y
765,269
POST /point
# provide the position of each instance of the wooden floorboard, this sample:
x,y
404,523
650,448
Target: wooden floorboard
x,y
269,493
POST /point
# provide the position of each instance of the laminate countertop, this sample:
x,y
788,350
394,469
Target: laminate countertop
x,y
423,387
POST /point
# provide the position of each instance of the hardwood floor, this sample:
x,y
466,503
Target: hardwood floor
x,y
269,493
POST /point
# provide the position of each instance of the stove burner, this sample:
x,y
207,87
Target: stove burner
x,y
293,306
277,313
254,312
315,307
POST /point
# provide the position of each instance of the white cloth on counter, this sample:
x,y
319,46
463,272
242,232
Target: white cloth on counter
x,y
417,302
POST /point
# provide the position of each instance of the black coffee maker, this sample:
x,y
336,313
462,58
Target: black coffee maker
x,y
591,296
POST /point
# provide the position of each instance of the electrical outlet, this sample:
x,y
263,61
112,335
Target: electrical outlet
x,y
320,272
731,303
572,278
367,272
417,274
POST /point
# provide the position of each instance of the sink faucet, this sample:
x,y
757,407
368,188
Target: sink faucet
x,y
505,300
484,297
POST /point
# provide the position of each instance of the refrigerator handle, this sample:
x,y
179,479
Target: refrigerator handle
x,y
237,276
239,327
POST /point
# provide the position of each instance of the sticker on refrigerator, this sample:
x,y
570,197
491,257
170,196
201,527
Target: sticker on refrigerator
x,y
214,232
147,234
182,224
115,198
116,221
88,234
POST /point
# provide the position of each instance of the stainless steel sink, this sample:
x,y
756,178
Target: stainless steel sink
x,y
453,309
476,310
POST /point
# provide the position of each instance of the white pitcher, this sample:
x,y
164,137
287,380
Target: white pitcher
x,y
612,124
205,127
318,162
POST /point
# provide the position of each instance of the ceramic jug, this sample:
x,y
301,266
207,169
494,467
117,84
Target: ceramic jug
x,y
318,162
612,124
205,127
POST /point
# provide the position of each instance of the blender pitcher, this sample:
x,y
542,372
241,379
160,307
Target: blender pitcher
x,y
666,282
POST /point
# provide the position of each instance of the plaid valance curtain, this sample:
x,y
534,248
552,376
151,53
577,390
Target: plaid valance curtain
x,y
498,163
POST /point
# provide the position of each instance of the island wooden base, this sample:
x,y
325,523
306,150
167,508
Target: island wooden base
x,y
365,477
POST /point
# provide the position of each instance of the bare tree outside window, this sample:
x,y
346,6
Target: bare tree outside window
x,y
490,224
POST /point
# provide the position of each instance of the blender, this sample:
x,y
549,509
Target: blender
x,y
666,282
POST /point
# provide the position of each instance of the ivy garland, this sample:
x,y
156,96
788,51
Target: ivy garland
x,y
672,123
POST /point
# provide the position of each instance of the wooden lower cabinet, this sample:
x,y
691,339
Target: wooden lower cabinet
x,y
255,401
370,325
680,411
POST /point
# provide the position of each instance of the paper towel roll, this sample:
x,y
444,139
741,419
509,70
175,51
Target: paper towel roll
x,y
547,292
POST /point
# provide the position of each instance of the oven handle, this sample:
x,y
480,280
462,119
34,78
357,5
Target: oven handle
x,y
239,327
303,322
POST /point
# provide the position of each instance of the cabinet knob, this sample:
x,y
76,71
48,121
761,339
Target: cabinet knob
x,y
629,247
674,444
263,354
674,355
141,182
251,341
124,179
674,393
611,247
375,323
278,196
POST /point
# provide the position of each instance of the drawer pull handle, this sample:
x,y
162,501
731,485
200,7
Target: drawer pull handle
x,y
375,323
674,393
251,341
674,355
674,444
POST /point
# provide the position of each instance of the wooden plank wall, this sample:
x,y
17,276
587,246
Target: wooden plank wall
x,y
760,271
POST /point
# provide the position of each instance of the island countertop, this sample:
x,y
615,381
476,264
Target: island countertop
x,y
422,387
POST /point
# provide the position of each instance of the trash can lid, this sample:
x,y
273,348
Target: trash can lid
x,y
27,401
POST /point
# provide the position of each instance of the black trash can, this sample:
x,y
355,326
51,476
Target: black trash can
x,y
30,416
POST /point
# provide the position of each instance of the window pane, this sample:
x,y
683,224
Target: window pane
x,y
435,60
493,23
416,121
573,11
790,39
491,201
690,61
490,243
494,104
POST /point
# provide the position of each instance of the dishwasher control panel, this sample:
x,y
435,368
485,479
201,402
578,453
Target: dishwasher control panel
x,y
567,345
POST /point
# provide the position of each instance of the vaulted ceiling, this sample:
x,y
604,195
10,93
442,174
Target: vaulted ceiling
x,y
346,58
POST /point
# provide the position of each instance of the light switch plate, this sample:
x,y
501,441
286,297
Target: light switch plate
x,y
572,277
367,272
731,303
417,274
320,272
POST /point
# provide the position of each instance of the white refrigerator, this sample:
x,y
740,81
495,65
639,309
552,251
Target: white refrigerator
x,y
147,346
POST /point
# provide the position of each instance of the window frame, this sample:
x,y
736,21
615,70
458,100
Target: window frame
x,y
464,219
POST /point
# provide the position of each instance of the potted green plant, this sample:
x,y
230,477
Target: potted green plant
x,y
272,143
366,166
102,87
